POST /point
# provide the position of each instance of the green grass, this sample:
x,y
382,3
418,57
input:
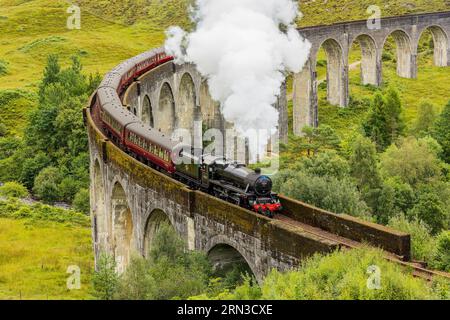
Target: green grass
x,y
333,11
34,258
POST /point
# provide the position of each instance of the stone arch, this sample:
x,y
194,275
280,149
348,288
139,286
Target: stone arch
x,y
165,120
186,106
222,250
441,45
405,62
122,227
336,83
210,109
100,223
156,218
224,257
370,69
147,112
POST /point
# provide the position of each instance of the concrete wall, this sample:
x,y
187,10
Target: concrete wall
x,y
337,41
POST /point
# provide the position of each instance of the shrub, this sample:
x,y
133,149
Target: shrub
x,y
105,279
413,161
81,202
442,253
341,275
422,242
46,185
13,189
329,193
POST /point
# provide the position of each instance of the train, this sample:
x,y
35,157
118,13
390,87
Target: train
x,y
223,178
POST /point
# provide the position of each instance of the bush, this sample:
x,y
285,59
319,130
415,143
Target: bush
x,y
342,275
430,209
422,242
81,202
13,189
105,279
15,209
68,188
442,254
413,162
46,185
328,193
3,130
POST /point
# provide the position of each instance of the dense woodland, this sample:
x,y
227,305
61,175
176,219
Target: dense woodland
x,y
386,159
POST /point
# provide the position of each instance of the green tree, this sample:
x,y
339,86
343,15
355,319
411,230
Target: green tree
x,y
384,123
329,193
422,242
13,189
318,139
136,283
442,254
32,166
395,123
81,201
105,279
325,164
375,126
430,209
441,132
413,162
46,185
364,164
426,117
51,71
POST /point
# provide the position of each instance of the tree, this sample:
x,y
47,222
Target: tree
x,y
81,201
32,166
442,254
136,283
441,132
413,162
430,209
13,189
375,126
46,185
426,117
105,279
328,193
384,123
51,71
395,123
422,242
325,164
364,164
317,139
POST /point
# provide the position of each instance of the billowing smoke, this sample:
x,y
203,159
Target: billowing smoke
x,y
244,48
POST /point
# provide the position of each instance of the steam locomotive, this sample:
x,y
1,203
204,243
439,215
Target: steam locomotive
x,y
228,180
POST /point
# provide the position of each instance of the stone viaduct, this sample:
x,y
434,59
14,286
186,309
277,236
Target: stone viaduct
x,y
130,200
337,40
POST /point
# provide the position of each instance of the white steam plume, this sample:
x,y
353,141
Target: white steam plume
x,y
239,47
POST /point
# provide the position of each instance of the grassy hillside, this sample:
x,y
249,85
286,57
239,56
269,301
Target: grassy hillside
x,y
332,11
37,245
